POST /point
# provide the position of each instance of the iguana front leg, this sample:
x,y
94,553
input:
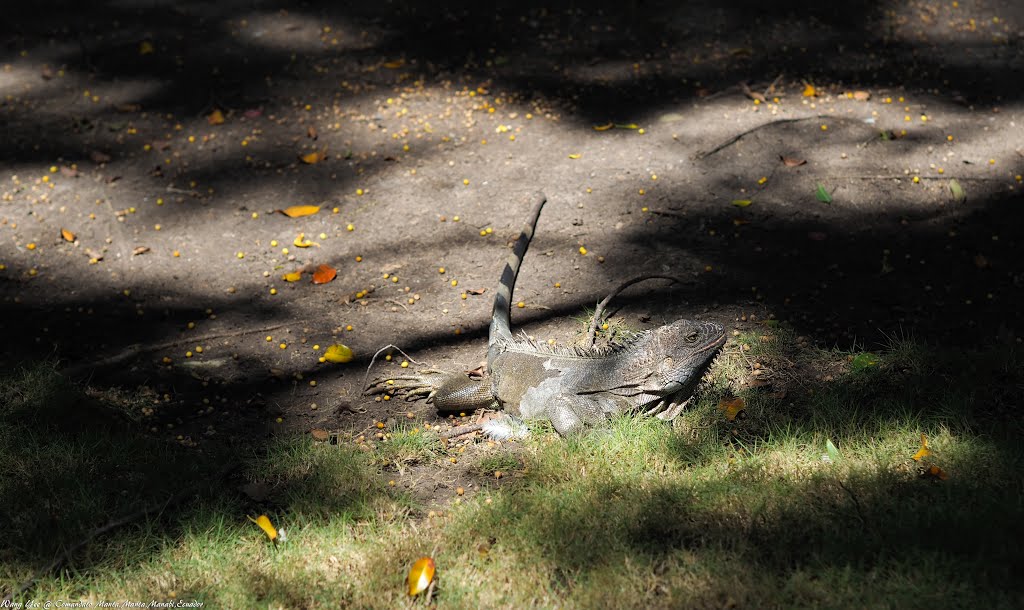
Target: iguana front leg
x,y
447,391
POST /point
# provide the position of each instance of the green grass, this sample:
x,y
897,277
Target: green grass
x,y
708,512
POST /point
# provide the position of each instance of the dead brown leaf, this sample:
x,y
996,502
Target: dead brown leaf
x,y
311,133
476,291
140,250
99,157
792,161
319,434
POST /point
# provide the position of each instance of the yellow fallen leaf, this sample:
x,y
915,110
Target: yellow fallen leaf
x,y
146,47
300,210
264,522
394,65
810,91
67,235
604,127
924,451
338,353
575,156
294,276
742,203
301,241
420,575
216,118
626,126
731,407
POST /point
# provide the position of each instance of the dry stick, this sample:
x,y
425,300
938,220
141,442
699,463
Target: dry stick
x,y
374,359
110,526
737,138
592,332
137,349
460,430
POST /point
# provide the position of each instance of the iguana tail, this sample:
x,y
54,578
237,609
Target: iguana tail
x,y
501,321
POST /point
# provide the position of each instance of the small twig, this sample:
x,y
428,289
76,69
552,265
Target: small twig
x,y
856,502
110,526
738,137
771,87
374,359
461,430
592,331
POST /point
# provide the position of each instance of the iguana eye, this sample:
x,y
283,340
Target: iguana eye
x,y
691,338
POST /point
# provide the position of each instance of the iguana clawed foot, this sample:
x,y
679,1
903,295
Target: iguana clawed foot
x,y
412,386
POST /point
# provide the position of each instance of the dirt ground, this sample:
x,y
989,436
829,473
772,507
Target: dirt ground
x,y
874,189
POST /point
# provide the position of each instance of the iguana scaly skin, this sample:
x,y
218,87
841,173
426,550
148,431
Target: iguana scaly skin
x,y
653,374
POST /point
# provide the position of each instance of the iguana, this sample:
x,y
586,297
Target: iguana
x,y
653,373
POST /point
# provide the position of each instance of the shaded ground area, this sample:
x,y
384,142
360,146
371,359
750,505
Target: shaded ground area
x,y
854,173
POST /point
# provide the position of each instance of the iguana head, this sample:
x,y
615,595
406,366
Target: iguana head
x,y
686,350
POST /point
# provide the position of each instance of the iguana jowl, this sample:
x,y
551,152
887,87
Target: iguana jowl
x,y
653,374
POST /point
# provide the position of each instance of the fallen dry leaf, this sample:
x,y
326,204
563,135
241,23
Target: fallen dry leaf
x,y
792,162
924,451
394,65
294,276
861,96
809,90
70,172
99,157
264,522
313,157
140,250
216,117
338,353
731,407
324,274
301,241
67,235
476,291
319,435
936,473
420,575
299,210
604,127
311,133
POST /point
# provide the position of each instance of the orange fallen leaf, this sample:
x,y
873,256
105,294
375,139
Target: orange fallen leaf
x,y
810,91
936,473
861,96
731,407
264,522
67,235
300,210
338,353
294,276
216,117
319,434
420,575
313,157
324,274
924,451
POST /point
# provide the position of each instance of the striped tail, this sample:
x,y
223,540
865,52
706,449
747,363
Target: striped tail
x,y
501,320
